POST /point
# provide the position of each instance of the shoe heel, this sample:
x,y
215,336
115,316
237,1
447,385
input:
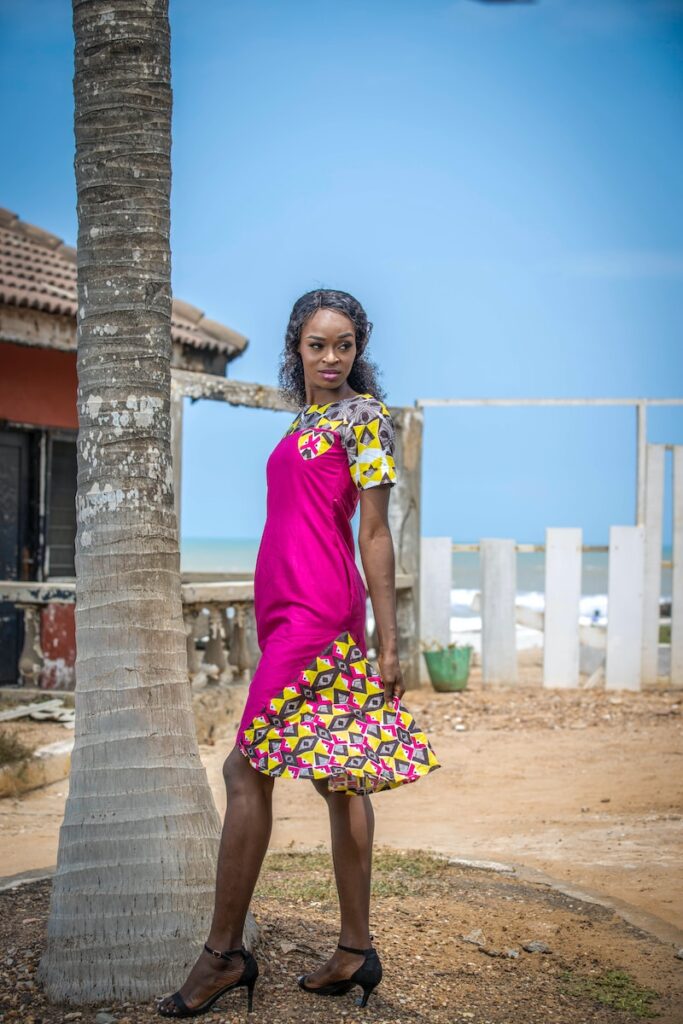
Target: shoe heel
x,y
250,995
362,1000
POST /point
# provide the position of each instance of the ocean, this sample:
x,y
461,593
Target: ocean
x,y
238,554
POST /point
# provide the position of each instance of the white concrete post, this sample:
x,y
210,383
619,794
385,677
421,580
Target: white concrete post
x,y
498,593
652,579
677,580
562,597
625,607
435,594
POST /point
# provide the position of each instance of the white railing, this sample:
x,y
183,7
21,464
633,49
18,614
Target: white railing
x,y
218,614
618,653
630,644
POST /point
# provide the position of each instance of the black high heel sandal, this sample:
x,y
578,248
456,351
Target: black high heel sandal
x,y
368,976
247,977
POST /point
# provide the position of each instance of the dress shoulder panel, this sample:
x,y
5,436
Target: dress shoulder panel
x,y
367,433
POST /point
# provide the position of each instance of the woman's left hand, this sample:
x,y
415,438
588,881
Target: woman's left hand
x,y
392,677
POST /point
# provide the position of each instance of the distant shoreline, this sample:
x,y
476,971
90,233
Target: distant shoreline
x,y
238,554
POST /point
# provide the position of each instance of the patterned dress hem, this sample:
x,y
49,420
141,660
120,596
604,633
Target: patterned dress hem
x,y
333,722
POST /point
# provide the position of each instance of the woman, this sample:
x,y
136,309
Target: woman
x,y
315,709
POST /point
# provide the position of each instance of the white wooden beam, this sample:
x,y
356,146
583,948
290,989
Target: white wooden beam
x,y
562,598
677,574
435,593
498,592
625,608
652,572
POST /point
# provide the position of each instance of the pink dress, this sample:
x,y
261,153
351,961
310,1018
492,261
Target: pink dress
x,y
316,707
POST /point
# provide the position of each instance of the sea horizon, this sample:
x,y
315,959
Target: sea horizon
x,y
238,554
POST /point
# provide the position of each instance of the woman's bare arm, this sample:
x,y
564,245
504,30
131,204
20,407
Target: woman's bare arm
x,y
377,556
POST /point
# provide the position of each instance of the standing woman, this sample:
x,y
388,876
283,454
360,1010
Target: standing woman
x,y
316,708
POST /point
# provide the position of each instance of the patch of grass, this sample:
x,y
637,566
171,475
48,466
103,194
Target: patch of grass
x,y
406,873
310,876
296,860
613,988
295,875
12,750
414,863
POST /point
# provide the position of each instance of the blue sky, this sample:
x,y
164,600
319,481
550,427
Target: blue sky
x,y
500,186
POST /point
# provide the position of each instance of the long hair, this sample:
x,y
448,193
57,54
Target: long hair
x,y
363,377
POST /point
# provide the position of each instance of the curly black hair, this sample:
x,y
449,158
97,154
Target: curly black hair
x,y
363,377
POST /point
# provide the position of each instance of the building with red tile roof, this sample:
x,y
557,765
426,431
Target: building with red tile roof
x,y
39,423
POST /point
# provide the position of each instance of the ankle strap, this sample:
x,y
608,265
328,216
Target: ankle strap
x,y
351,949
226,953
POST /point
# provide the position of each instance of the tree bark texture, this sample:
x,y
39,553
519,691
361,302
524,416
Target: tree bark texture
x,y
134,886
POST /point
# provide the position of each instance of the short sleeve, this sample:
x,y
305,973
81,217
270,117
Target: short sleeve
x,y
370,445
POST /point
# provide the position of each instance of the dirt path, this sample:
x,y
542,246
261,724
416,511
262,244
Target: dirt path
x,y
538,778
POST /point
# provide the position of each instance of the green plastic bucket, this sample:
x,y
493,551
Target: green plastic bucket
x,y
449,668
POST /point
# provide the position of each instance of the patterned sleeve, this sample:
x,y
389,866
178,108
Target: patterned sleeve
x,y
370,446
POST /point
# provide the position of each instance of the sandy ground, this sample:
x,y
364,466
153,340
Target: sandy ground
x,y
586,786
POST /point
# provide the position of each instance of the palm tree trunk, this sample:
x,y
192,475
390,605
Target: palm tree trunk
x,y
133,891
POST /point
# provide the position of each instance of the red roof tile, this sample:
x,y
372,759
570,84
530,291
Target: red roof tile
x,y
38,271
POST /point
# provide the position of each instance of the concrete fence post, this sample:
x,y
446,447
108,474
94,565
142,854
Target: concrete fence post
x,y
652,570
435,594
625,608
562,598
404,522
498,593
677,580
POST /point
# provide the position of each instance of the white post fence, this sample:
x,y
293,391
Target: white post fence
x,y
633,656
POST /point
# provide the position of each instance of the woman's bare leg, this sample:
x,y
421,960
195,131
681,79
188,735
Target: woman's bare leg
x,y
244,841
352,826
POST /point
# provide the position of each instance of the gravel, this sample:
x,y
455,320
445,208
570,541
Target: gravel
x,y
430,919
538,708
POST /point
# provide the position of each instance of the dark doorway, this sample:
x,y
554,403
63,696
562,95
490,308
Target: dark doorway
x,y
61,515
15,556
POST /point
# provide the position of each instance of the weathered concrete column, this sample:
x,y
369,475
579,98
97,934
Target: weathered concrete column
x,y
251,639
677,581
31,659
239,653
652,579
562,597
404,521
190,617
216,653
435,594
625,608
498,593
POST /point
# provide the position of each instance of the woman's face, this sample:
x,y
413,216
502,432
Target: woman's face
x,y
328,349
